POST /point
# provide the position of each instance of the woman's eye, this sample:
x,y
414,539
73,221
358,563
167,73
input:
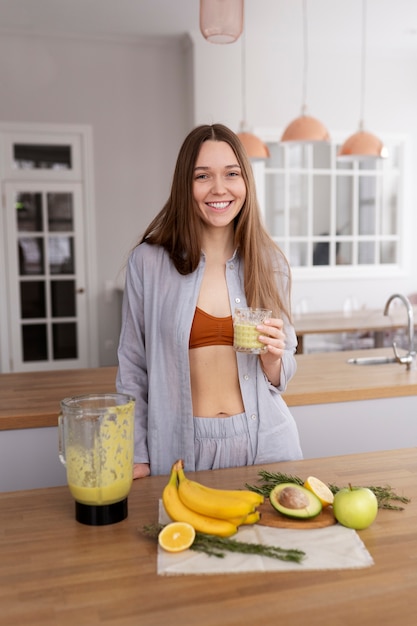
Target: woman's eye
x,y
201,176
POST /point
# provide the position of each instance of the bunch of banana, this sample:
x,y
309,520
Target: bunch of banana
x,y
211,511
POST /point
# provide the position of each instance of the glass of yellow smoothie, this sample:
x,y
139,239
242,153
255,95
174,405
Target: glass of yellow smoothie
x,y
245,335
96,439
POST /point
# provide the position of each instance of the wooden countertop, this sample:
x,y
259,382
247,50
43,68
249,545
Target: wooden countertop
x,y
362,319
55,571
327,377
32,400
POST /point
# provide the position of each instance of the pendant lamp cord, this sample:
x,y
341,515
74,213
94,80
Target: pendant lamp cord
x,y
243,81
363,63
305,58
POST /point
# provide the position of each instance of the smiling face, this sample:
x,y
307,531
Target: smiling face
x,y
218,186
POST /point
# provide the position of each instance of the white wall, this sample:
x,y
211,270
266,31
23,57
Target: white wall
x,y
135,96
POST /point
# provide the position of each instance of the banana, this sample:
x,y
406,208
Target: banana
x,y
252,518
244,494
252,497
211,502
178,512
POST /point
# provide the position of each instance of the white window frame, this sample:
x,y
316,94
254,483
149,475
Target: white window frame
x,y
402,267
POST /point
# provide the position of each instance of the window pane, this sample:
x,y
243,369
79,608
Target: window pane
x,y
344,205
321,156
275,201
33,156
64,337
366,252
32,299
60,211
34,342
31,257
345,253
29,212
277,154
298,253
63,298
388,252
322,205
389,205
321,253
298,205
367,205
61,255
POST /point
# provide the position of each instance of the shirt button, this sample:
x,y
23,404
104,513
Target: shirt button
x,y
253,416
231,266
246,377
237,300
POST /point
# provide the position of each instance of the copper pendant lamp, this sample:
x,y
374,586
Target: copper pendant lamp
x,y
221,21
362,144
255,147
305,129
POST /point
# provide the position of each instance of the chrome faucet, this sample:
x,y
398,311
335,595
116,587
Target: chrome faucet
x,y
410,359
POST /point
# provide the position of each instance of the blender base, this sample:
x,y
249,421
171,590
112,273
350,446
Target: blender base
x,y
95,515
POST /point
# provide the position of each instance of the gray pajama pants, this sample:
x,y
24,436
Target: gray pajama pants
x,y
222,442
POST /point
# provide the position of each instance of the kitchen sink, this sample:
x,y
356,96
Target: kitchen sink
x,y
372,360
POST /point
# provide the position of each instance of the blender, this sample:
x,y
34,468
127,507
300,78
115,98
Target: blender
x,y
96,440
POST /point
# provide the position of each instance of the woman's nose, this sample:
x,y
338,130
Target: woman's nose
x,y
219,186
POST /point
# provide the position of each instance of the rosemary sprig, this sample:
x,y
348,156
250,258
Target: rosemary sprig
x,y
218,546
385,495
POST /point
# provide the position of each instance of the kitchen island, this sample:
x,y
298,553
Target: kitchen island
x,y
339,409
55,571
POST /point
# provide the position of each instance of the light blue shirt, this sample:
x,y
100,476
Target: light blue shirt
x,y
157,313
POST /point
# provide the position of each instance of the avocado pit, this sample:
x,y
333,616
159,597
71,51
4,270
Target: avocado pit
x,y
293,498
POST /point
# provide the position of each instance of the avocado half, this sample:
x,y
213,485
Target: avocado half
x,y
295,501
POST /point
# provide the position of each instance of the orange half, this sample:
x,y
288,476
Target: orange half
x,y
176,537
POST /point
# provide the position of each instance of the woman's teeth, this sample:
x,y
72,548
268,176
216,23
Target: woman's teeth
x,y
218,205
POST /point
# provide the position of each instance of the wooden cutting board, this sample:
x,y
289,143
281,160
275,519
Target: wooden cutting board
x,y
271,517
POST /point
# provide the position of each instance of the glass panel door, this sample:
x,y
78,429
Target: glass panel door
x,y
45,253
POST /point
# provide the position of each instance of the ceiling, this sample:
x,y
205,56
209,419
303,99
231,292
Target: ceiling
x,y
391,24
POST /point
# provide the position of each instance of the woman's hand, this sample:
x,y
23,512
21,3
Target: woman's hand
x,y
274,339
141,470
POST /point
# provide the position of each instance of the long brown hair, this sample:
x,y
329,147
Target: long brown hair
x,y
177,227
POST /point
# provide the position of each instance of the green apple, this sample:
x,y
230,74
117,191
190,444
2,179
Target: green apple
x,y
355,507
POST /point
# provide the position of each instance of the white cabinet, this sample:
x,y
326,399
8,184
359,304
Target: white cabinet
x,y
360,426
29,459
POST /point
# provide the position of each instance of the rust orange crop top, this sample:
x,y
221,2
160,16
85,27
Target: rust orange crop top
x,y
207,330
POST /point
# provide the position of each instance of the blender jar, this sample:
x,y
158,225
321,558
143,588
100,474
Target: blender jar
x,y
96,440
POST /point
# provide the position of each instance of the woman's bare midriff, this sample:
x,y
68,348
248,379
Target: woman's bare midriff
x,y
214,382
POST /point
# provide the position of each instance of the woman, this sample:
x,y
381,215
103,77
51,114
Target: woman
x,y
203,254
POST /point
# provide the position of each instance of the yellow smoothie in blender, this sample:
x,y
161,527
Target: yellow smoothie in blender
x,y
102,473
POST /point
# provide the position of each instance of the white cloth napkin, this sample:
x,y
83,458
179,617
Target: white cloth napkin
x,y
332,547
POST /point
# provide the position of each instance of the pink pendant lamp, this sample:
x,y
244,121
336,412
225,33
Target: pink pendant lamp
x,y
305,129
221,21
362,144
